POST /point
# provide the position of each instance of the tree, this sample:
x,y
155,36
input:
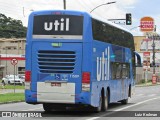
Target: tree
x,y
10,27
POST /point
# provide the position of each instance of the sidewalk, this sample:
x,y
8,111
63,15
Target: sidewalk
x,y
147,84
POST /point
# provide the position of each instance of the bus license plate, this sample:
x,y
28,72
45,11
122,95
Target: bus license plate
x,y
56,84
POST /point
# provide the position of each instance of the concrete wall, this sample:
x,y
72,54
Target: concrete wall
x,y
140,74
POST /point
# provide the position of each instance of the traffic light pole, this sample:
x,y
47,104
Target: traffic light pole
x,y
128,19
116,19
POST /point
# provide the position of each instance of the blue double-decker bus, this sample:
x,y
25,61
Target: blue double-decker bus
x,y
74,59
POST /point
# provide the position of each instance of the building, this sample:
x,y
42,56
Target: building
x,y
144,46
12,48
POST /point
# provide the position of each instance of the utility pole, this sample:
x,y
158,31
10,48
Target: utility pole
x,y
64,3
153,46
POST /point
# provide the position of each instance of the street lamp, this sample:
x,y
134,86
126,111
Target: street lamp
x,y
64,3
102,5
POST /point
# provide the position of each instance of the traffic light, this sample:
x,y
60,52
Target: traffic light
x,y
128,19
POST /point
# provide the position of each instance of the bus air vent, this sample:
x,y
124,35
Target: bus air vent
x,y
56,61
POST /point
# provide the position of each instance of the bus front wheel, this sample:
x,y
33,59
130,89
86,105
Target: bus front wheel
x,y
124,101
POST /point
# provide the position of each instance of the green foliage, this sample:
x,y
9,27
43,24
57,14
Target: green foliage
x,y
11,97
143,81
10,27
12,87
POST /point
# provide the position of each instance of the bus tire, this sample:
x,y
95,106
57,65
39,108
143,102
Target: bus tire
x,y
47,107
59,108
129,93
105,102
124,101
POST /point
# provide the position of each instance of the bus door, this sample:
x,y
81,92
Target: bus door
x,y
124,81
56,71
121,76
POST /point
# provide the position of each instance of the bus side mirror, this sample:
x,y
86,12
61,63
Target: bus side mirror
x,y
138,62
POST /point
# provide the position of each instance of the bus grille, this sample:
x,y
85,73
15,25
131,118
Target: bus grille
x,y
56,61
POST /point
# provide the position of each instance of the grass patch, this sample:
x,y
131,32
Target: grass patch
x,y
12,87
14,97
149,83
143,82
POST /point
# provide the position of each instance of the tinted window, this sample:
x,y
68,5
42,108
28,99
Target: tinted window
x,y
110,34
120,70
52,25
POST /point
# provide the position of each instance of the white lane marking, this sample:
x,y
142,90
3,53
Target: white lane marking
x,y
93,118
152,95
33,109
137,104
139,95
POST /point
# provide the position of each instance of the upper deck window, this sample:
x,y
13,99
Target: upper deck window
x,y
107,33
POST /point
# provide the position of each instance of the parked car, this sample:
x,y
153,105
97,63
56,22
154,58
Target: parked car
x,y
9,79
22,77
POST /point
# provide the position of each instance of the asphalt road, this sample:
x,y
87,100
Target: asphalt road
x,y
145,101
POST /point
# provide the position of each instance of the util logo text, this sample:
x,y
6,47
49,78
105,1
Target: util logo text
x,y
103,65
57,25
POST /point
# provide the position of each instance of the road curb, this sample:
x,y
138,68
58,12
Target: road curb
x,y
147,85
9,102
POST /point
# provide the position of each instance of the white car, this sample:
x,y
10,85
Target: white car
x,y
11,79
22,77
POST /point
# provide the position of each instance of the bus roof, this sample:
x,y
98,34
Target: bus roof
x,y
84,12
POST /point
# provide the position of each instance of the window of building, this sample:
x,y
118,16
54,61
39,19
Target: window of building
x,y
21,70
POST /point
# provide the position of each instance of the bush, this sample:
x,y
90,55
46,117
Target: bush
x,y
143,81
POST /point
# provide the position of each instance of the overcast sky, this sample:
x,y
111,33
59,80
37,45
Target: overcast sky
x,y
20,9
